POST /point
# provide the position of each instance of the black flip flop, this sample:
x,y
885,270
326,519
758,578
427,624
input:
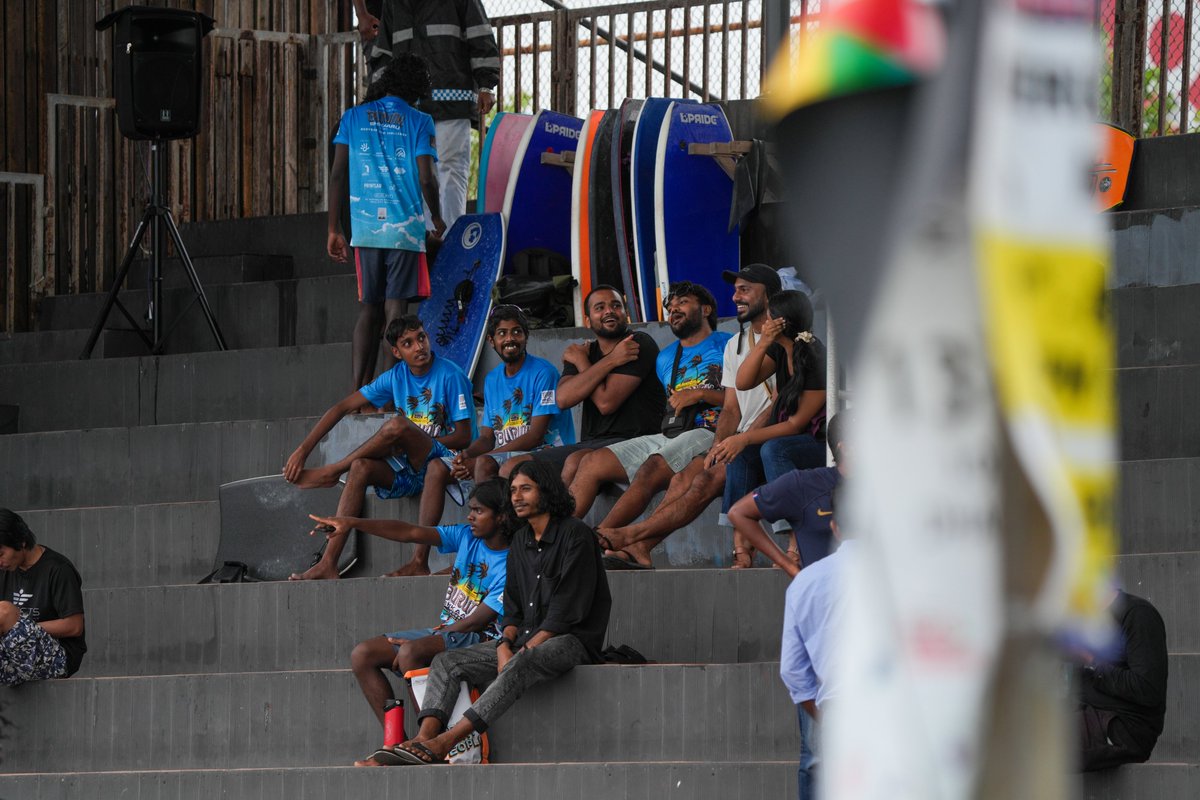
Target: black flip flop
x,y
628,563
406,756
603,541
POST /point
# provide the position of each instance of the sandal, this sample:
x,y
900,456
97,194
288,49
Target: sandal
x,y
792,556
743,558
603,540
406,754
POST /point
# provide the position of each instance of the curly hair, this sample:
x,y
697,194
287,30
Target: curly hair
x,y
697,291
506,313
554,499
406,76
14,532
494,494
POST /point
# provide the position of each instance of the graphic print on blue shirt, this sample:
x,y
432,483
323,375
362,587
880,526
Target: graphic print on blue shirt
x,y
384,138
478,576
433,402
699,368
510,404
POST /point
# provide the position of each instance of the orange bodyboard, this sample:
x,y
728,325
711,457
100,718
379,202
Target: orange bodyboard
x,y
1110,175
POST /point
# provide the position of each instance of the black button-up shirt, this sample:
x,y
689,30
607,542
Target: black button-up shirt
x,y
557,585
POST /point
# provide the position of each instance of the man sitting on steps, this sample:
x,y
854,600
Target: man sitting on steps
x,y
436,418
474,598
613,376
556,607
520,415
690,371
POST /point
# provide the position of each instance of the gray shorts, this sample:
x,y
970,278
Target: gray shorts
x,y
676,452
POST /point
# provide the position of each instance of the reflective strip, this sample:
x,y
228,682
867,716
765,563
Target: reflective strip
x,y
402,36
478,30
482,63
379,52
450,95
444,30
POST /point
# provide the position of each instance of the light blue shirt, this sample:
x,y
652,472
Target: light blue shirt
x,y
510,404
811,613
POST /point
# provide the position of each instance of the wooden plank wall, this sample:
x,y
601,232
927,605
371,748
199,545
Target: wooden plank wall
x,y
259,152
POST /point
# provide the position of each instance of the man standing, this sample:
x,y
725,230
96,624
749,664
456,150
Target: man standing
x,y
613,376
1123,696
435,419
690,371
520,415
385,150
556,606
811,618
41,613
703,480
457,40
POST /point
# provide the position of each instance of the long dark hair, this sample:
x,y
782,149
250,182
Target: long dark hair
x,y
796,311
494,494
555,499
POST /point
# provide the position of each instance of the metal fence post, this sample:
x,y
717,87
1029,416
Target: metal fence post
x,y
1129,65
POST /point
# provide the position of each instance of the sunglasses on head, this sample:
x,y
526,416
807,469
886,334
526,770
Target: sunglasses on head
x,y
506,307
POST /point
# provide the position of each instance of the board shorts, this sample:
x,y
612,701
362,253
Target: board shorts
x,y
558,455
454,639
677,452
385,274
28,653
409,480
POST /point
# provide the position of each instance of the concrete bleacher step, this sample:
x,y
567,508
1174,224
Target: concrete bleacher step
x,y
1155,247
213,270
298,236
710,780
1159,505
1165,781
159,544
676,616
1156,405
273,313
35,347
725,712
1157,326
1168,580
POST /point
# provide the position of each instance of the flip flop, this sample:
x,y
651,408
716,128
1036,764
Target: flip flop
x,y
618,563
415,754
605,544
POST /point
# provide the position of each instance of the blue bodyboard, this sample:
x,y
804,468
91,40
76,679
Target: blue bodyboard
x,y
537,205
693,196
644,154
461,282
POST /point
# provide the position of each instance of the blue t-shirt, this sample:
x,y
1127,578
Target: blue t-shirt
x,y
384,138
510,404
478,576
699,368
433,402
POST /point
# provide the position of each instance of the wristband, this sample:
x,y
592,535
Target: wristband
x,y
511,644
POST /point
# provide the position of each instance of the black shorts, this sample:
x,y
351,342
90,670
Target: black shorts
x,y
558,455
390,275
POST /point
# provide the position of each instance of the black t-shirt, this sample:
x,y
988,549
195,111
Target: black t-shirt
x,y
813,378
50,589
642,411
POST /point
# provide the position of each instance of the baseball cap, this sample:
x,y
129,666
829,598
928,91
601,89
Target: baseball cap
x,y
756,273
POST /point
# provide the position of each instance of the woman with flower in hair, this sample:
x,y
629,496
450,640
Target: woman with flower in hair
x,y
792,436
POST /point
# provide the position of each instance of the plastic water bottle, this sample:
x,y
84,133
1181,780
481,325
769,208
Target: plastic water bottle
x,y
393,723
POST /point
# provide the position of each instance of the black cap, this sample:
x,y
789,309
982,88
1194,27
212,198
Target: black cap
x,y
756,273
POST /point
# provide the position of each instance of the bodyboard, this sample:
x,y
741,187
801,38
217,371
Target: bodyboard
x,y
693,196
537,202
581,249
622,143
508,134
456,311
644,154
1110,175
265,525
485,155
606,264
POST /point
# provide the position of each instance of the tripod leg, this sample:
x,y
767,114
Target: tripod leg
x,y
126,263
195,279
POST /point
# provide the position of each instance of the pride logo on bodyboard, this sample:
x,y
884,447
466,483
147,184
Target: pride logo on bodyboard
x,y
461,288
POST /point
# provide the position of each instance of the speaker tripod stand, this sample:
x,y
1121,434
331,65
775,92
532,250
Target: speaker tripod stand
x,y
155,218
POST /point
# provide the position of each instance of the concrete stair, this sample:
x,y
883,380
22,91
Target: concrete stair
x,y
243,690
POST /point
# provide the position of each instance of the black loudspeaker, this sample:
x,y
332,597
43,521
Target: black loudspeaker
x,y
157,70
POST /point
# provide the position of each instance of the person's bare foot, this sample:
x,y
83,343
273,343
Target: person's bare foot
x,y
409,570
610,539
638,550
317,572
367,762
316,478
